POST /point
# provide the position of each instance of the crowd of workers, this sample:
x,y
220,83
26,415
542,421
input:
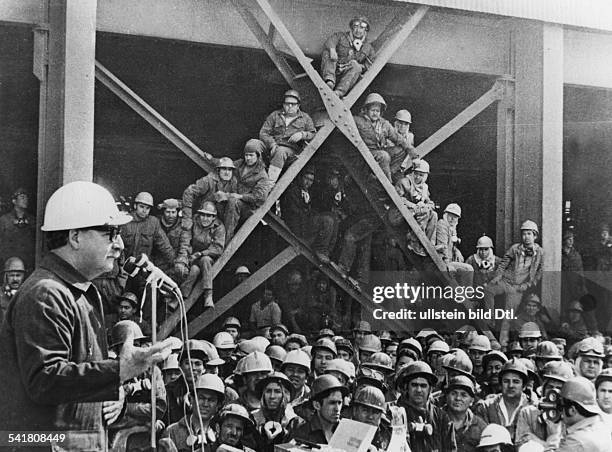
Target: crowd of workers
x,y
281,372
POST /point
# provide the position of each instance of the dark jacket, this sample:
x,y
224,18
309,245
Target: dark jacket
x,y
253,182
147,236
342,42
55,369
274,131
443,437
377,140
311,431
17,238
515,257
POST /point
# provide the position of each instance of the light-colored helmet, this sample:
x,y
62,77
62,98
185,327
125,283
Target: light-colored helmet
x,y
169,203
589,346
242,270
375,98
558,370
256,362
362,19
171,362
484,242
14,264
232,322
420,165
297,357
581,391
325,343
454,209
480,342
494,434
235,410
346,368
226,162
211,382
208,207
529,329
380,361
548,350
276,352
529,225
370,396
80,205
462,382
438,346
411,344
293,93
212,354
370,343
224,341
605,375
122,329
145,198
403,115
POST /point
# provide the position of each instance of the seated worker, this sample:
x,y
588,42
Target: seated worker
x,y
415,193
285,133
206,244
401,160
446,245
376,132
347,55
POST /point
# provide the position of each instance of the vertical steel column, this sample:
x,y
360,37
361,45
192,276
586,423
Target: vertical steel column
x,y
64,63
505,211
552,164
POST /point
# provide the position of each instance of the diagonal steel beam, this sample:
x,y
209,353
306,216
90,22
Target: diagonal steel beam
x,y
149,114
475,108
239,292
343,119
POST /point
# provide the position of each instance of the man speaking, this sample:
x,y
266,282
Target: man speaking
x,y
55,371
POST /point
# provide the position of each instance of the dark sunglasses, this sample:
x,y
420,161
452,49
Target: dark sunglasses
x,y
112,231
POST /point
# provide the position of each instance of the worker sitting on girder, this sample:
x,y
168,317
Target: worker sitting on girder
x,y
376,132
347,55
401,159
415,193
316,228
446,244
285,133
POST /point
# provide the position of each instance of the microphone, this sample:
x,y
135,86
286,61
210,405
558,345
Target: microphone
x,y
155,276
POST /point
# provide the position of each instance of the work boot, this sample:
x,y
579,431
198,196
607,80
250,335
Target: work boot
x,y
330,83
208,298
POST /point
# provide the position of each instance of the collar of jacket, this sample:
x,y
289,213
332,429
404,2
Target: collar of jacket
x,y
523,249
299,114
66,272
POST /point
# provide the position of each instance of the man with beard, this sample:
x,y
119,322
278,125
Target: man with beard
x,y
195,430
14,274
285,133
503,408
297,368
233,424
492,364
460,394
531,424
429,428
368,406
327,399
346,55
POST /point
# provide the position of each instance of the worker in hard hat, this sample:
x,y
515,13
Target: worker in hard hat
x,y
495,438
376,132
12,279
199,250
234,426
296,366
170,222
573,325
327,399
519,271
429,427
485,263
531,310
572,280
589,358
128,308
415,194
460,393
18,230
368,405
195,430
233,326
285,132
532,424
265,312
254,368
586,431
346,55
55,367
401,159
492,364
503,408
447,243
479,347
317,228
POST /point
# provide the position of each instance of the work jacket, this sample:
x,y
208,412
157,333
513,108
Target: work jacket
x,y
276,131
442,437
55,369
376,136
145,237
342,41
468,435
209,241
253,182
203,190
589,435
489,409
514,258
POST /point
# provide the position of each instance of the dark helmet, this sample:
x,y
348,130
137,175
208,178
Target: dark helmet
x,y
415,370
324,384
293,93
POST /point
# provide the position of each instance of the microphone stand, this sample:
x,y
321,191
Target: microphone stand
x,y
153,373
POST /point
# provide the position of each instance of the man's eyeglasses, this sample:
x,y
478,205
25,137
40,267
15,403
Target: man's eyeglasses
x,y
112,231
291,104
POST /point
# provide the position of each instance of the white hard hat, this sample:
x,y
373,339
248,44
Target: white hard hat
x,y
494,434
81,205
145,198
454,209
242,270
